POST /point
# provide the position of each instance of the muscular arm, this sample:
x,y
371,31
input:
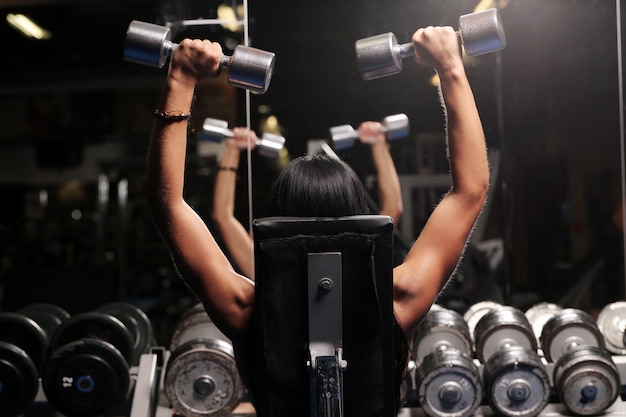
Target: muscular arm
x,y
388,183
237,239
439,247
227,296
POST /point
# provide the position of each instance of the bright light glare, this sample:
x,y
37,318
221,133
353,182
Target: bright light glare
x,y
489,4
227,14
27,27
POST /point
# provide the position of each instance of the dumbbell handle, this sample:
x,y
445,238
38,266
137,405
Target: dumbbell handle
x,y
394,126
169,47
216,130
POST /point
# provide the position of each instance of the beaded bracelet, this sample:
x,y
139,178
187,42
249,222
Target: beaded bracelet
x,y
172,115
227,169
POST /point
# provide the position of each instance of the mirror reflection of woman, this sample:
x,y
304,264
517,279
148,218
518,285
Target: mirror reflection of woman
x,y
237,239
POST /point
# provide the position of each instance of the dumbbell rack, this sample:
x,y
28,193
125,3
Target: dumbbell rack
x,y
146,398
618,408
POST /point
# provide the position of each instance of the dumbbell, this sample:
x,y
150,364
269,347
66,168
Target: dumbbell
x,y
612,324
201,375
585,377
380,55
24,341
539,314
476,311
515,380
447,380
394,126
88,370
150,44
216,130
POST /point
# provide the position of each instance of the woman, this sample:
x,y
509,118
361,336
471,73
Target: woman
x,y
228,296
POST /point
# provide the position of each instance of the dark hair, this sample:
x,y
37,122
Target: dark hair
x,y
318,186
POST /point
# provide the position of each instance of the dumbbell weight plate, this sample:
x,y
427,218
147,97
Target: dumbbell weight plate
x,y
587,380
95,325
501,328
448,384
195,324
568,328
19,380
48,316
215,130
137,322
482,32
202,379
251,68
146,44
270,145
343,136
476,312
612,323
86,378
516,383
396,126
539,314
441,329
26,334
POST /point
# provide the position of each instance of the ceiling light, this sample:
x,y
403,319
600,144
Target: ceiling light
x,y
27,27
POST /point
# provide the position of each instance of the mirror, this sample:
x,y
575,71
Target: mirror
x,y
551,112
77,119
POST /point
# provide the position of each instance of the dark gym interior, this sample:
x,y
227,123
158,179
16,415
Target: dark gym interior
x,y
75,123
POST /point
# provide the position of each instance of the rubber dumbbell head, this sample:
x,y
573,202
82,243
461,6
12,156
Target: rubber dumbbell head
x,y
137,322
394,126
88,371
381,55
23,346
150,44
216,130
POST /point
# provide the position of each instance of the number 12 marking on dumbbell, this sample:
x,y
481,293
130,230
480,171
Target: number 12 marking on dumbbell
x,y
67,382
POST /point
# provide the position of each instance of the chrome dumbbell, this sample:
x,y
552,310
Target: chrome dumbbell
x,y
585,377
150,44
447,380
216,130
394,126
381,55
612,324
515,381
201,376
538,315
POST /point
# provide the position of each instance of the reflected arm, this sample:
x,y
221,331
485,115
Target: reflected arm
x,y
237,239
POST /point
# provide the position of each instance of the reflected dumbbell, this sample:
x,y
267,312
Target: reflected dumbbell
x,y
201,376
539,314
515,380
476,311
24,339
585,376
150,44
394,126
381,55
447,380
612,324
88,370
216,130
